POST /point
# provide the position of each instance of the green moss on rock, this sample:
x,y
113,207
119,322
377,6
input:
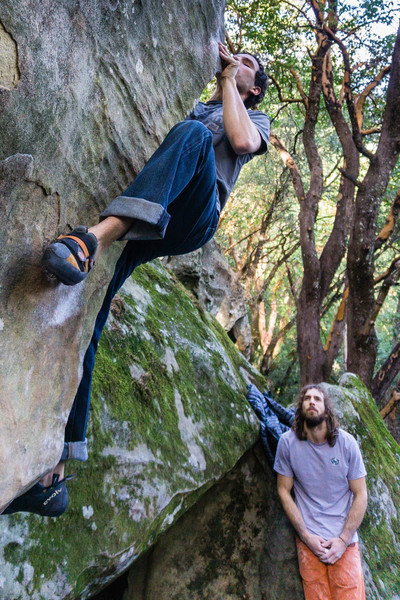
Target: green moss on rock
x,y
168,418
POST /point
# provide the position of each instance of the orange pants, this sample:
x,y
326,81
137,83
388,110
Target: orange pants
x,y
341,581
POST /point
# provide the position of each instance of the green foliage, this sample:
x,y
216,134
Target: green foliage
x,y
284,35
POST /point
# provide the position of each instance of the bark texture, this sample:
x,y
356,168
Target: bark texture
x,y
362,340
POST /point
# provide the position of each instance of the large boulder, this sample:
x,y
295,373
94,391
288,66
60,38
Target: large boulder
x,y
208,275
169,418
88,89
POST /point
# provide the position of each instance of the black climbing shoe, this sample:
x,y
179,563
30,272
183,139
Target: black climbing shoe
x,y
70,257
50,501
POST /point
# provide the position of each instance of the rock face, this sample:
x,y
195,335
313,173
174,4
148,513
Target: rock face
x,y
168,419
208,275
88,89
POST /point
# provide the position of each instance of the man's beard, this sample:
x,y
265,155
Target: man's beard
x,y
312,422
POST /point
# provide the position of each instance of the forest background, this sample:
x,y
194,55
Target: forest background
x,y
312,228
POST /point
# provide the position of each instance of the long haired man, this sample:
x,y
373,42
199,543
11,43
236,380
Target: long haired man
x,y
323,465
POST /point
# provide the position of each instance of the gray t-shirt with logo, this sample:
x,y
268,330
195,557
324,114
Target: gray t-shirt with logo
x,y
321,475
228,163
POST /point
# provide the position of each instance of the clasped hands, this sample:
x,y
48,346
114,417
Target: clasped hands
x,y
328,551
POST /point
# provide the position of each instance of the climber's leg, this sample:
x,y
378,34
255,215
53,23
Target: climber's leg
x,y
140,213
184,235
194,219
108,231
193,210
58,470
183,157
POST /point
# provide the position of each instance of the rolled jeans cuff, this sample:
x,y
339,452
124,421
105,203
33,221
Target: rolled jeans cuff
x,y
75,451
150,219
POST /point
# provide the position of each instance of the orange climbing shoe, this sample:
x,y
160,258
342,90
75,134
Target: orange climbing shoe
x,y
70,257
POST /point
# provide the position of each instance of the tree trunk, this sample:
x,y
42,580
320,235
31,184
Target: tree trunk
x,y
362,340
309,346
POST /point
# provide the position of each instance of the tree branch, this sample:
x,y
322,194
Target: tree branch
x,y
388,228
389,278
274,270
354,180
365,132
346,80
289,162
233,244
230,44
391,405
335,246
280,95
365,93
383,235
362,303
300,87
268,354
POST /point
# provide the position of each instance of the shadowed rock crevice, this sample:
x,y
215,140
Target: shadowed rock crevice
x,y
234,543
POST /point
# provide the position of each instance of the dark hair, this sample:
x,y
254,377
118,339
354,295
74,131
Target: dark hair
x,y
331,421
261,81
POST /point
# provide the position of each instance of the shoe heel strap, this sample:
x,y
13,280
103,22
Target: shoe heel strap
x,y
78,240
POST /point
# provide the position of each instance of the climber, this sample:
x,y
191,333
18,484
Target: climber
x,y
324,466
171,208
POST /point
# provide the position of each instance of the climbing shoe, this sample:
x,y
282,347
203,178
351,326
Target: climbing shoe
x,y
50,501
70,257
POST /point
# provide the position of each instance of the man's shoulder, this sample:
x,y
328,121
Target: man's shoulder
x,y
348,444
286,441
261,121
346,438
283,458
351,452
208,107
258,117
257,114
289,437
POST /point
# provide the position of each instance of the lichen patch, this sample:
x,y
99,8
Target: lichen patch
x,y
9,71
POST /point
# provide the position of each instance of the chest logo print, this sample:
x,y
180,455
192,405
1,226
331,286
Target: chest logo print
x,y
335,461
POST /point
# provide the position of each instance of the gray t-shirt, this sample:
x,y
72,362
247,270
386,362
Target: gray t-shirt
x,y
321,475
228,163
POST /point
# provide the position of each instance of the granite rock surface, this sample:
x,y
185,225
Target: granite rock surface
x,y
88,89
208,275
168,419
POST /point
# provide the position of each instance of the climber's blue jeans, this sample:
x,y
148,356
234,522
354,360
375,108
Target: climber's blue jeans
x,y
180,179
